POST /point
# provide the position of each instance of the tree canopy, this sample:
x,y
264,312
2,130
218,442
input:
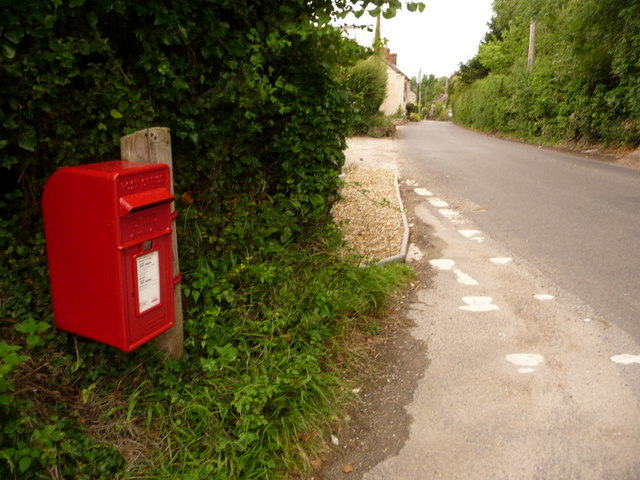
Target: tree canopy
x,y
584,82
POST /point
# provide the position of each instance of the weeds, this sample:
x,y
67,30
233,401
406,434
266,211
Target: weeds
x,y
271,345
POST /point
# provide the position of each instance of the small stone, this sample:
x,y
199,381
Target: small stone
x,y
347,469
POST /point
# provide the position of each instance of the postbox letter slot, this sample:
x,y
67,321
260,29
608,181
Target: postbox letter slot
x,y
149,198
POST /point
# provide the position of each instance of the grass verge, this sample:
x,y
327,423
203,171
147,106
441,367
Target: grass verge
x,y
271,346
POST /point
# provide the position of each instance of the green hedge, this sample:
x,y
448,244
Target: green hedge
x,y
252,93
584,82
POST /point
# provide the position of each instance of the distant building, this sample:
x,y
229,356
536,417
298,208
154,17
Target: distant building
x,y
399,91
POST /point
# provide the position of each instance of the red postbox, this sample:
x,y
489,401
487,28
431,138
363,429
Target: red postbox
x,y
108,233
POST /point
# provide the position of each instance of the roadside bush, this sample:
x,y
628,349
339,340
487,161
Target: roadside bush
x,y
251,93
381,125
367,83
582,86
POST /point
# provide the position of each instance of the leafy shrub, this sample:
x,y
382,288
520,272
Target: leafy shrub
x,y
381,125
251,93
367,83
584,82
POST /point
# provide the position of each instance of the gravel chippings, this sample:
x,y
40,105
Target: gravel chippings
x,y
368,212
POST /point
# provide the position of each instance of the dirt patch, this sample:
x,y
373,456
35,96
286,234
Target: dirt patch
x,y
379,427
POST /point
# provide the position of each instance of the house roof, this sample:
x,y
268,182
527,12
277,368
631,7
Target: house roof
x,y
396,69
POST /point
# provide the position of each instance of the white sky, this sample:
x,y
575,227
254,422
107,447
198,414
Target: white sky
x,y
437,40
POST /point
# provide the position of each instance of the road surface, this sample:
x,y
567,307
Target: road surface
x,y
526,308
576,219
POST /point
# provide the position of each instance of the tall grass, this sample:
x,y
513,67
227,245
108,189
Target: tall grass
x,y
267,367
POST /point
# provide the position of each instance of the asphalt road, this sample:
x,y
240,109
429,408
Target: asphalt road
x,y
576,219
513,248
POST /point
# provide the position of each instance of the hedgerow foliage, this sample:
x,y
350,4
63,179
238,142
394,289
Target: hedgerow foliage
x,y
251,90
367,80
584,83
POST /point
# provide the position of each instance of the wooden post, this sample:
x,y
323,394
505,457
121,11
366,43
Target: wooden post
x,y
153,145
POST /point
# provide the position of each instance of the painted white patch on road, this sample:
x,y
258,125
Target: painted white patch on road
x,y
526,370
526,360
436,202
478,304
473,235
500,260
544,297
464,279
442,263
451,215
469,233
423,192
626,359
414,253
411,183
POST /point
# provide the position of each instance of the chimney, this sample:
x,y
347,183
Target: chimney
x,y
392,58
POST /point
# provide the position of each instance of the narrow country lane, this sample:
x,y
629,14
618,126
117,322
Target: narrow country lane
x,y
530,324
576,219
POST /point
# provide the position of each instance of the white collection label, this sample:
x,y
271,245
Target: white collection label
x,y
148,273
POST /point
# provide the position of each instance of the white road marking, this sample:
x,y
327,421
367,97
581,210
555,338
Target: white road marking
x,y
464,279
543,297
451,215
436,202
526,361
472,235
423,192
478,304
626,359
469,233
442,263
526,370
500,260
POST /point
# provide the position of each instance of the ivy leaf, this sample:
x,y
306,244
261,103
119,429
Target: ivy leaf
x,y
28,141
115,113
413,6
76,3
24,464
49,21
14,36
180,83
8,51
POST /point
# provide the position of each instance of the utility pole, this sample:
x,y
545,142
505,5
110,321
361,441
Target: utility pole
x,y
419,91
532,45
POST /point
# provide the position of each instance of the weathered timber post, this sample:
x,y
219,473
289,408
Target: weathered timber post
x,y
153,145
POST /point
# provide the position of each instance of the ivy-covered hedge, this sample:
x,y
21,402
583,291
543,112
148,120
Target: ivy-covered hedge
x,y
240,84
251,90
